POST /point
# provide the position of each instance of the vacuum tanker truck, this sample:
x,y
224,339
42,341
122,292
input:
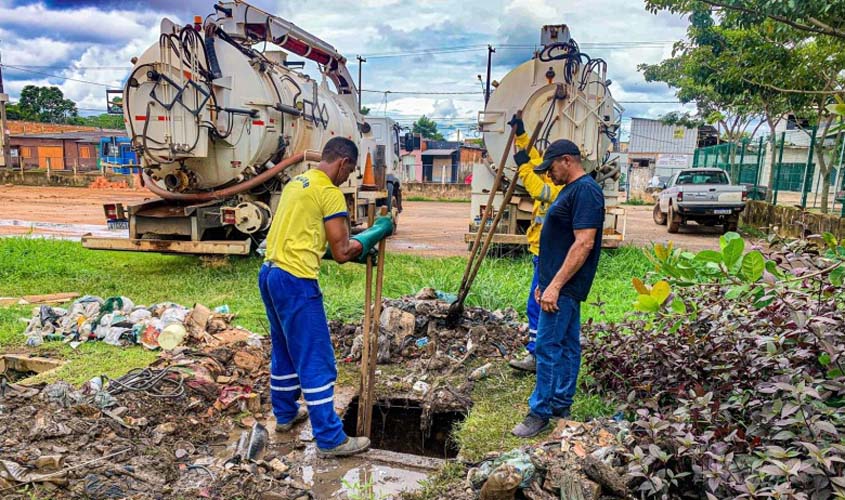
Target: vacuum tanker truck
x,y
567,93
220,123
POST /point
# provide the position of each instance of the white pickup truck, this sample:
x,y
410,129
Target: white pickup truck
x,y
703,195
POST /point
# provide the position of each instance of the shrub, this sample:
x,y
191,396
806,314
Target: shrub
x,y
733,371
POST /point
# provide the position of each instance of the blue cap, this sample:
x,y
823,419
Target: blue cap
x,y
561,147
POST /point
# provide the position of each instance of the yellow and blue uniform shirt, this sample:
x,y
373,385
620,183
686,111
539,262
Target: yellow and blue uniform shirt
x,y
540,188
297,238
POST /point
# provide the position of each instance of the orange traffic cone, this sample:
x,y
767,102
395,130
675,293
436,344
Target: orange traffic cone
x,y
369,181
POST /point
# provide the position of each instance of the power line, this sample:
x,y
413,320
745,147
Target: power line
x,y
86,68
55,76
421,92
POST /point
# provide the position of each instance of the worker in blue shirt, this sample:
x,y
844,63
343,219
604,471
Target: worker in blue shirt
x,y
570,243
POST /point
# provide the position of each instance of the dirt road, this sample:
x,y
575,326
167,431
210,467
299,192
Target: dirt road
x,y
425,228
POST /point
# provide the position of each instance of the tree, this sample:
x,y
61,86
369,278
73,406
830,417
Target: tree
x,y
695,72
365,110
813,17
104,120
427,128
45,104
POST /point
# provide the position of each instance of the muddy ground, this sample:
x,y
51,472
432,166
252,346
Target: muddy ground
x,y
434,229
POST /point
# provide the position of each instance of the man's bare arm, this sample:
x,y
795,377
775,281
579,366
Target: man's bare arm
x,y
337,234
575,258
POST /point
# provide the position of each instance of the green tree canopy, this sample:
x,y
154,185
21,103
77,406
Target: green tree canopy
x,y
813,17
427,127
45,104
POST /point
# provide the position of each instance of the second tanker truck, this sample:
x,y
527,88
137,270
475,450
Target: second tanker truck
x,y
568,92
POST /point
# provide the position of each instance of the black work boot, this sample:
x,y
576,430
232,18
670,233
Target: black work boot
x,y
526,364
530,426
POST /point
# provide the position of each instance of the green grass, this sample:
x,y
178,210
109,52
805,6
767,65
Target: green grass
x,y
500,401
636,202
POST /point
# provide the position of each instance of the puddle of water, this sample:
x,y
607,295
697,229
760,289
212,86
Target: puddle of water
x,y
62,231
354,476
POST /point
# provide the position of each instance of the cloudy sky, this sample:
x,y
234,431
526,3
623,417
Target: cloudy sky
x,y
90,43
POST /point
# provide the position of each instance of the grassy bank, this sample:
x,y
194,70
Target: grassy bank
x,y
45,266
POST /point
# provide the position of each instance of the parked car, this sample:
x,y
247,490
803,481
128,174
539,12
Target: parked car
x,y
703,195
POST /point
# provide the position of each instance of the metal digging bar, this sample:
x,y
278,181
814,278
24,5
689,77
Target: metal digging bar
x,y
477,255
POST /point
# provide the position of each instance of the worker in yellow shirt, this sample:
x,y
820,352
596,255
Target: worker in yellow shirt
x,y
312,211
544,192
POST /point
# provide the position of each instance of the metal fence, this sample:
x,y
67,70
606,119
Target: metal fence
x,y
794,164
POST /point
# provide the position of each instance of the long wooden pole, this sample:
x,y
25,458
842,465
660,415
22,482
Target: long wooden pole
x,y
365,407
477,257
367,397
488,209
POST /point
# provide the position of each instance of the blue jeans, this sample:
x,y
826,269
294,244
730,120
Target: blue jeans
x,y
302,360
558,353
532,309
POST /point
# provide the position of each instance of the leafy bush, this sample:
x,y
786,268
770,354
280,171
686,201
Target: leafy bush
x,y
734,375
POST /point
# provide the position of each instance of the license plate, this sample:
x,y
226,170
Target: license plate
x,y
726,211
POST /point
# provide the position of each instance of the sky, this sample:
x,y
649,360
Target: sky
x,y
90,43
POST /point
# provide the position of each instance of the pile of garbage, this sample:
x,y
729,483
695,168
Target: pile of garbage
x,y
415,328
118,321
191,425
581,460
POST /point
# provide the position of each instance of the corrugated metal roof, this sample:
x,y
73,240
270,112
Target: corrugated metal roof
x,y
652,136
85,136
438,152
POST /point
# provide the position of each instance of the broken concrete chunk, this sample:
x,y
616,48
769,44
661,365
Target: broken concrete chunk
x,y
502,483
398,322
427,293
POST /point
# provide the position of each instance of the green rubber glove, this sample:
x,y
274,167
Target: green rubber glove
x,y
382,228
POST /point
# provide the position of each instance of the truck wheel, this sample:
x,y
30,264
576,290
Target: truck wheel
x,y
674,221
395,216
659,217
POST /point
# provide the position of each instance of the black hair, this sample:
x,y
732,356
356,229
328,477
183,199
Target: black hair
x,y
340,147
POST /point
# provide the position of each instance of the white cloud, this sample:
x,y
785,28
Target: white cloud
x,y
102,36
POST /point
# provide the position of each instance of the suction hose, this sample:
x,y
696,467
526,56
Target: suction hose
x,y
232,190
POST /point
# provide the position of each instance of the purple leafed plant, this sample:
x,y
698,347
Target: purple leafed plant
x,y
733,371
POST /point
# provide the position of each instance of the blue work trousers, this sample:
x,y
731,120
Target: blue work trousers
x,y
302,361
532,309
558,354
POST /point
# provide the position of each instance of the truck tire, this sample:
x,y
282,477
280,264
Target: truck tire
x,y
659,217
674,221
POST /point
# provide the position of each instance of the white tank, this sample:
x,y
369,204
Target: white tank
x,y
569,93
194,136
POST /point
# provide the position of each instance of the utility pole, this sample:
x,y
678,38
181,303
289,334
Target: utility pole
x,y
490,51
361,60
5,160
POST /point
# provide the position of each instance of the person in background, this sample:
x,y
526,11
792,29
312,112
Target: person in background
x,y
544,192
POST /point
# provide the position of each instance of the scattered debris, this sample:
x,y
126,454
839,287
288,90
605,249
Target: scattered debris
x,y
52,298
118,321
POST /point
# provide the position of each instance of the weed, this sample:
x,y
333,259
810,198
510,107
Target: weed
x,y
636,202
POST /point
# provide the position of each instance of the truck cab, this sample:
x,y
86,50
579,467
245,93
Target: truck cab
x,y
702,195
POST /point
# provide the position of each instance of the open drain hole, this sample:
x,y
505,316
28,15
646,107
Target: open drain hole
x,y
396,427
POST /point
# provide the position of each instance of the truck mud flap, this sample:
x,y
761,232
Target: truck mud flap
x,y
236,247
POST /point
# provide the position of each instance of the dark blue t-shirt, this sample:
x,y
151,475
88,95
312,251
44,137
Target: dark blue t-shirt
x,y
580,205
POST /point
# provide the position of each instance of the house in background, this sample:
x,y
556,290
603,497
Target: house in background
x,y
55,146
441,162
657,149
